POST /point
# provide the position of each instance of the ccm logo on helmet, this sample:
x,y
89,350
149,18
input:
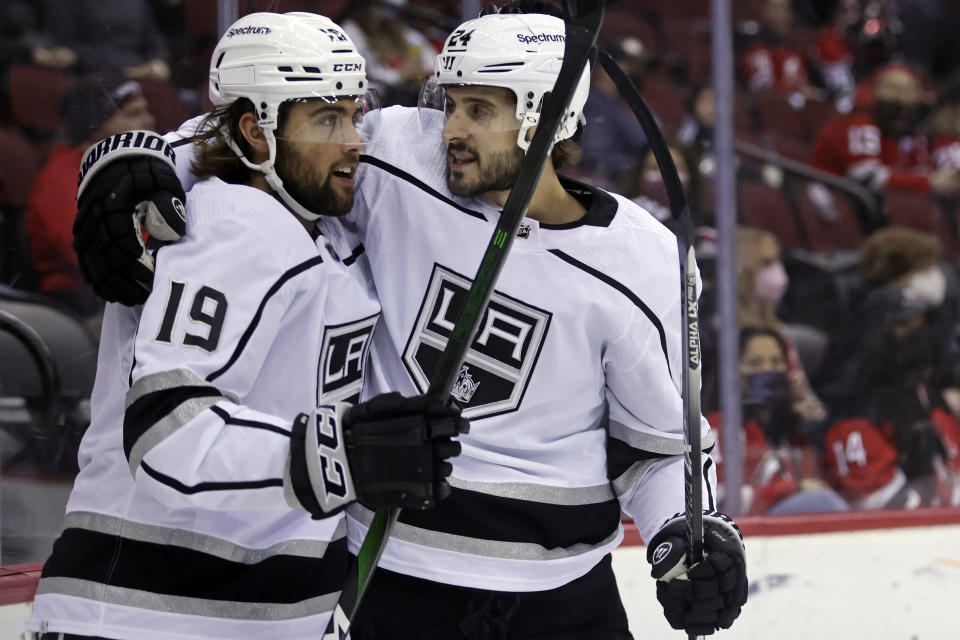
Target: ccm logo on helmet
x,y
348,66
540,37
126,140
251,30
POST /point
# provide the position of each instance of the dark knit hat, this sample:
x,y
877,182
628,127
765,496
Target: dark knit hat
x,y
92,100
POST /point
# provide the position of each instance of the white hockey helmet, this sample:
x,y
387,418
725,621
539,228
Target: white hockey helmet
x,y
270,58
519,52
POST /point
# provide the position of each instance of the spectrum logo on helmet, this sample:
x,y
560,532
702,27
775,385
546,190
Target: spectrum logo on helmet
x,y
540,37
250,30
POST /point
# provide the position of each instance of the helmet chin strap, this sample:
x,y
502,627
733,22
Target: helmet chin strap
x,y
270,173
532,118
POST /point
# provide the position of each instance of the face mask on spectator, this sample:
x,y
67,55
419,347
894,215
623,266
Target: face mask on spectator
x,y
766,398
894,118
928,287
771,282
766,389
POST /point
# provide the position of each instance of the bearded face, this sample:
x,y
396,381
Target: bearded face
x,y
313,184
469,173
481,136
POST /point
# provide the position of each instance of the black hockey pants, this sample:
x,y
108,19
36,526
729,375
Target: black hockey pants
x,y
399,607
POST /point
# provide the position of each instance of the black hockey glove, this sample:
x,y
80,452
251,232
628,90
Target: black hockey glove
x,y
128,184
390,451
708,596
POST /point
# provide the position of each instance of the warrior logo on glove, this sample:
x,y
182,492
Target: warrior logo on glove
x,y
136,188
134,143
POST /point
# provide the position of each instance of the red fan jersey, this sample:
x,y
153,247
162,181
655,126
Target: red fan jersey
x,y
945,152
853,146
769,473
774,66
859,458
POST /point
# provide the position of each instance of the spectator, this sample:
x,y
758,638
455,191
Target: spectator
x,y
97,106
943,128
879,146
761,283
833,58
23,42
696,130
111,36
899,445
614,138
697,126
898,442
772,60
780,476
398,56
645,183
22,38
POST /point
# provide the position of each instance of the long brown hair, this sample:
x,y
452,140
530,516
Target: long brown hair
x,y
214,158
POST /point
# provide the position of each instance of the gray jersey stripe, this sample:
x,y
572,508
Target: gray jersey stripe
x,y
204,543
653,443
538,492
186,605
162,429
625,481
477,546
168,380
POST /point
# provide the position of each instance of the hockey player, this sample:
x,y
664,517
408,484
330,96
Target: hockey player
x,y
223,450
572,382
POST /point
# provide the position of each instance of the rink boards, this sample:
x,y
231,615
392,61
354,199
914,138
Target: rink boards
x,y
876,576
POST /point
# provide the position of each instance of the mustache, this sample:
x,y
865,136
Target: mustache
x,y
461,147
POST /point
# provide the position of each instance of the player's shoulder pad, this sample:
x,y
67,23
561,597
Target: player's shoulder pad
x,y
633,215
247,220
138,142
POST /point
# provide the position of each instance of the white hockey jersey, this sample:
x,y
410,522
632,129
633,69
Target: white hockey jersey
x,y
572,382
179,525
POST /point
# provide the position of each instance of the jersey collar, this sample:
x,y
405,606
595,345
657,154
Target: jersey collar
x,y
600,205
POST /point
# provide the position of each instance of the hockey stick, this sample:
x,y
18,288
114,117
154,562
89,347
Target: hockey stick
x,y
582,29
690,383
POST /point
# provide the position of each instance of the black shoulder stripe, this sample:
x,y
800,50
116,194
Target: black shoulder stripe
x,y
245,338
228,419
625,291
150,409
357,252
403,175
180,142
208,486
621,456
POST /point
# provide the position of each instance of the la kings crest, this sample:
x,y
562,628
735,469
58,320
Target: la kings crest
x,y
504,352
342,356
